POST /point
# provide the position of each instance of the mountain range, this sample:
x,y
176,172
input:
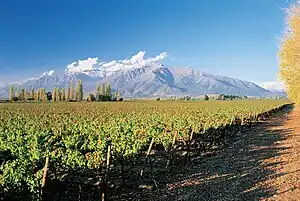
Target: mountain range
x,y
140,77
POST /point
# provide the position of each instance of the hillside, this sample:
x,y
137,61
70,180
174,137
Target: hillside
x,y
140,77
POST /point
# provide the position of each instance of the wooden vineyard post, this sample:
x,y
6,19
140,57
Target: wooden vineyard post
x,y
44,177
242,124
146,159
187,158
104,191
122,170
250,118
122,161
170,160
231,121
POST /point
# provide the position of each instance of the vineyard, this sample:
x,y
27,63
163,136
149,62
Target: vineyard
x,y
85,151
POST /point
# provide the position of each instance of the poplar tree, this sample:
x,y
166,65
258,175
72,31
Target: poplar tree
x,y
18,93
22,95
32,93
58,98
38,95
72,90
103,92
79,91
43,95
11,93
25,94
108,92
289,55
118,95
68,93
98,92
54,94
63,94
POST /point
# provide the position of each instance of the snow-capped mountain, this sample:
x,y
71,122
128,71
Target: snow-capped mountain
x,y
140,77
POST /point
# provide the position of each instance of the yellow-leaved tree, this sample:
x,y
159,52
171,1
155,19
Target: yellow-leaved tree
x,y
289,54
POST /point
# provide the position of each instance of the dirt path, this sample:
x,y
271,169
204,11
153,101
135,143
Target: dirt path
x,y
288,184
263,165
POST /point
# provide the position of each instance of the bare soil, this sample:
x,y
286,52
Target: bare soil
x,y
264,164
287,185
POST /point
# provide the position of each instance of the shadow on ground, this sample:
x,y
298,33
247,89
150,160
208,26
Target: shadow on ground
x,y
234,173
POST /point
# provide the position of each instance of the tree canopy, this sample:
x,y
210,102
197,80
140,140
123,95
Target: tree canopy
x,y
289,54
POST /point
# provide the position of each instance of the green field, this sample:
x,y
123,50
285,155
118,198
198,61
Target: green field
x,y
76,136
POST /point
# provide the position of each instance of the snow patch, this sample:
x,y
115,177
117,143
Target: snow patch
x,y
48,73
94,66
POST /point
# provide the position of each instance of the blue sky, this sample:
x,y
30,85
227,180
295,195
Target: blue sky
x,y
237,38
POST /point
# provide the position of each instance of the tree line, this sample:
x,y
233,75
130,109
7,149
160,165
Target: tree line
x,y
289,54
103,93
230,97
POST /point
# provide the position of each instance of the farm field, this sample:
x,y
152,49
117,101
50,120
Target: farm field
x,y
74,141
150,101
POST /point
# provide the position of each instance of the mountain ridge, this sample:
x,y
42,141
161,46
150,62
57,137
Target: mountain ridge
x,y
140,77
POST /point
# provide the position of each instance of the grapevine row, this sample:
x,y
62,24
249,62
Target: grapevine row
x,y
65,137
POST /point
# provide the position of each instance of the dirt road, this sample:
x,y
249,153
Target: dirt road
x,y
287,185
263,164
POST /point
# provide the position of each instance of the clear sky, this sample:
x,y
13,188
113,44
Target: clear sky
x,y
237,38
